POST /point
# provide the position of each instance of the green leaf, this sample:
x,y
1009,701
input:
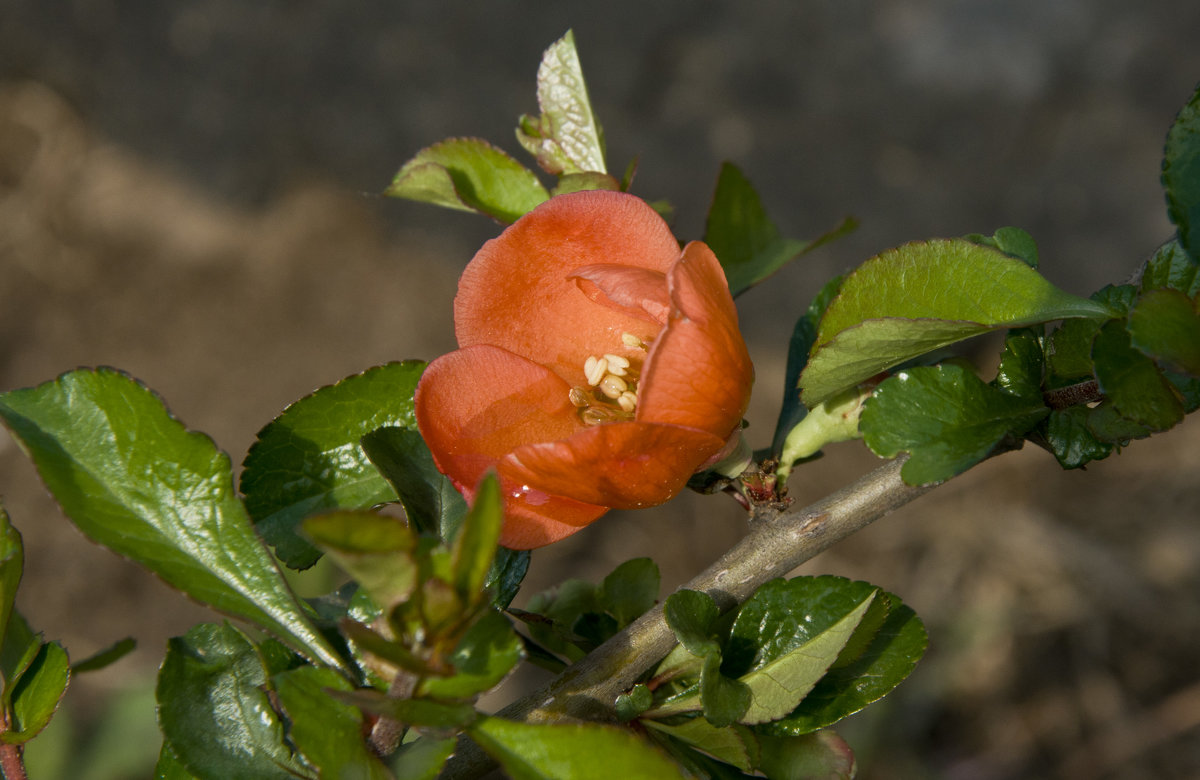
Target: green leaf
x,y
946,417
630,590
1165,326
422,759
804,334
736,744
36,694
214,712
135,480
1107,424
421,713
724,700
692,615
12,564
475,543
778,686
1130,380
308,460
1181,174
890,655
633,703
1013,242
786,630
571,751
1171,266
469,174
578,182
566,138
432,503
822,755
328,732
168,766
376,550
21,647
745,240
921,297
484,656
1069,436
1022,364
106,657
1069,351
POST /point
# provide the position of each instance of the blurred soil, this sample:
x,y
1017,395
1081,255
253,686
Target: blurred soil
x,y
1062,607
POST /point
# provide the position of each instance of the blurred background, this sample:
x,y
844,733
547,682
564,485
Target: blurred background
x,y
188,192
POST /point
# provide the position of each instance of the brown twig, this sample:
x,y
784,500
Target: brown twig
x,y
1073,395
11,765
780,539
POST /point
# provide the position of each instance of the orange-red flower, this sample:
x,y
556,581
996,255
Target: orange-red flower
x,y
599,367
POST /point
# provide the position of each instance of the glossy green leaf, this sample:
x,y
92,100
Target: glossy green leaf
x,y
783,615
422,713
921,297
1181,174
12,564
1022,364
394,652
779,685
1069,352
891,653
578,182
630,590
488,651
168,766
804,334
474,545
1171,266
422,759
566,138
634,702
1013,242
214,712
1165,325
106,657
745,240
692,615
327,732
378,551
946,417
135,480
571,751
36,694
1132,382
433,505
1070,438
724,700
736,745
469,174
822,755
21,647
308,460
1107,424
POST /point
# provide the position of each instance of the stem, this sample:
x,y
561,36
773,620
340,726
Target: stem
x,y
11,765
1073,395
779,541
387,732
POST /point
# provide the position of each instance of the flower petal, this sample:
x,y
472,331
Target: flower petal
x,y
516,293
535,519
635,291
477,404
698,373
624,465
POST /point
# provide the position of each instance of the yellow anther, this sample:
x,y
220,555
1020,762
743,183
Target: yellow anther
x,y
612,386
631,341
617,365
597,415
594,369
579,397
627,401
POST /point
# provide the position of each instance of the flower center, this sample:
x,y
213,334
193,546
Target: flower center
x,y
611,393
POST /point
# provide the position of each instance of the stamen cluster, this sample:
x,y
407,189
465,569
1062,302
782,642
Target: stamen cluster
x,y
611,394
